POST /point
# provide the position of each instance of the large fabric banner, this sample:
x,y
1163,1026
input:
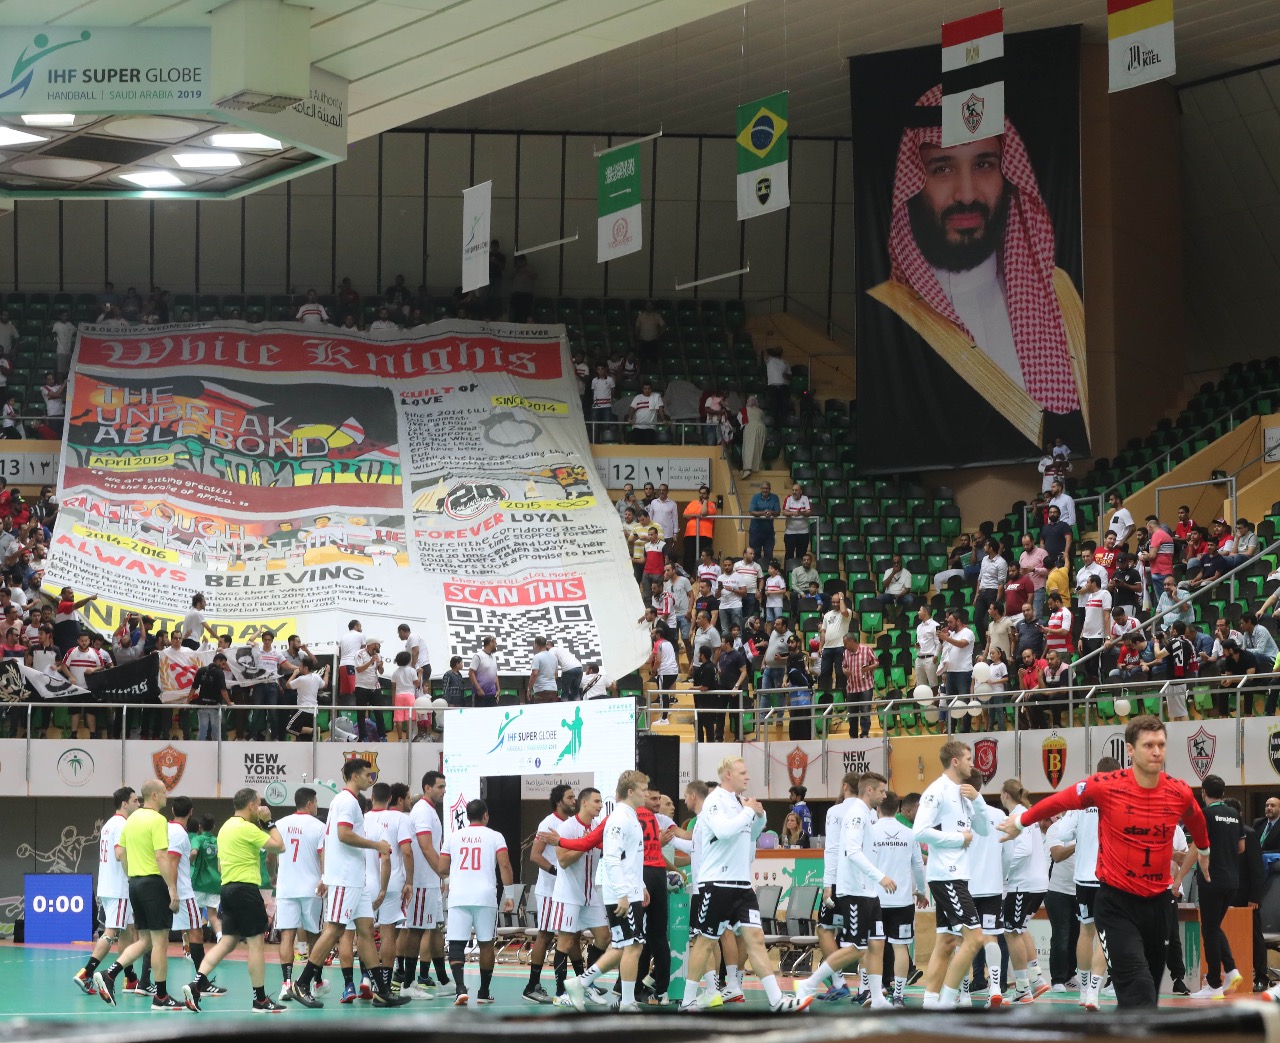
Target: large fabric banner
x,y
300,478
968,261
764,152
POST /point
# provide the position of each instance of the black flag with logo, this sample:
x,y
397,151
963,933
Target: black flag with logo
x,y
135,682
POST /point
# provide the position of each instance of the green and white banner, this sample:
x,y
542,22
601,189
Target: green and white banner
x,y
594,739
618,225
763,150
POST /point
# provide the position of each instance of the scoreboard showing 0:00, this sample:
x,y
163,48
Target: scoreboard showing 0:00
x,y
58,907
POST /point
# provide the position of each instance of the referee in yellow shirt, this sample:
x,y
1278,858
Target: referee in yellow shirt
x,y
241,842
153,893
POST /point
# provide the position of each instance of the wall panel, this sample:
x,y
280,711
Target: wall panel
x,y
84,239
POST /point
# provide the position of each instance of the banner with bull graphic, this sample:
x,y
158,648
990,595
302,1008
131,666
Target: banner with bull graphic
x,y
298,477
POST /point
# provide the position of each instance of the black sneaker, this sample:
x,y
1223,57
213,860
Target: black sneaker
x,y
191,997
381,999
1180,988
166,1005
105,987
484,997
916,975
267,1005
213,990
536,994
304,996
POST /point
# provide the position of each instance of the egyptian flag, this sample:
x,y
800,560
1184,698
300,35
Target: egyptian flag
x,y
973,78
1139,42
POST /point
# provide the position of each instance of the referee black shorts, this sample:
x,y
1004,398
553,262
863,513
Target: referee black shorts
x,y
244,913
149,897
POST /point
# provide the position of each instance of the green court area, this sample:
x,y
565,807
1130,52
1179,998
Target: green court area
x,y
40,987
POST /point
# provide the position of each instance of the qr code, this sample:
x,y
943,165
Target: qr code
x,y
572,625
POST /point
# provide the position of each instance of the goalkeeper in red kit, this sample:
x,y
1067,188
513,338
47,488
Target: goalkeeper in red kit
x,y
1138,810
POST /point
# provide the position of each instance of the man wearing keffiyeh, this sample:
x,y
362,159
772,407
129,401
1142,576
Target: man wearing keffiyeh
x,y
972,253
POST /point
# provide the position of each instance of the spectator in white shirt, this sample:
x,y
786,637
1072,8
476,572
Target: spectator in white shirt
x,y
8,332
778,378
664,512
64,332
383,323
312,312
54,395
1121,519
646,412
795,534
602,388
896,585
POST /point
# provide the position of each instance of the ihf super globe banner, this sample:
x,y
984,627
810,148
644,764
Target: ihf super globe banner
x,y
968,258
299,477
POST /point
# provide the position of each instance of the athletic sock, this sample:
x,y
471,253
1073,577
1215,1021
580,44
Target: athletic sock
x,y
837,979
459,979
930,1000
286,972
732,976
486,976
690,992
966,986
90,966
948,997
1082,976
1033,971
628,993
593,954
709,980
349,976
113,972
1095,985
876,983
309,972
409,970
197,953
1020,979
162,989
259,993
992,950
772,989
560,964
201,982
575,961
862,981
442,971
899,987
146,970
819,976
535,975
400,965
589,976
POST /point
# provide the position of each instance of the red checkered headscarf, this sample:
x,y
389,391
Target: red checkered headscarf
x,y
1026,261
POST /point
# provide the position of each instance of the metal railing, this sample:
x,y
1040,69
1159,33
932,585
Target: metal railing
x,y
689,432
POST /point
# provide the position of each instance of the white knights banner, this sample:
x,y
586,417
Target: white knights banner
x,y
477,204
973,78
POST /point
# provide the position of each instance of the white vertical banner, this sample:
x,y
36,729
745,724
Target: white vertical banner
x,y
477,207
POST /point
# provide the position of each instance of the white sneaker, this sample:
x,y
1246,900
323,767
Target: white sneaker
x,y
600,997
1208,993
1089,1001
562,1001
1058,988
1109,991
1231,981
806,991
964,1000
576,993
661,722
285,996
733,994
879,1002
1073,983
627,1008
708,1000
791,1004
422,992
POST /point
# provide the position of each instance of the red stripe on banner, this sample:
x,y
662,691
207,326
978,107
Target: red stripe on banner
x,y
974,28
1116,6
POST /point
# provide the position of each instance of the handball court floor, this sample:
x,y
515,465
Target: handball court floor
x,y
39,989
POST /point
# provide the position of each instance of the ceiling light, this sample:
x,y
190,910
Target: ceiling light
x,y
9,136
49,119
206,160
153,179
245,141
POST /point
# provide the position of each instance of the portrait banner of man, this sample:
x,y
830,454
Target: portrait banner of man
x,y
970,321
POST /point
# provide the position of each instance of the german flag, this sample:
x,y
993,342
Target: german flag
x,y
1140,42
